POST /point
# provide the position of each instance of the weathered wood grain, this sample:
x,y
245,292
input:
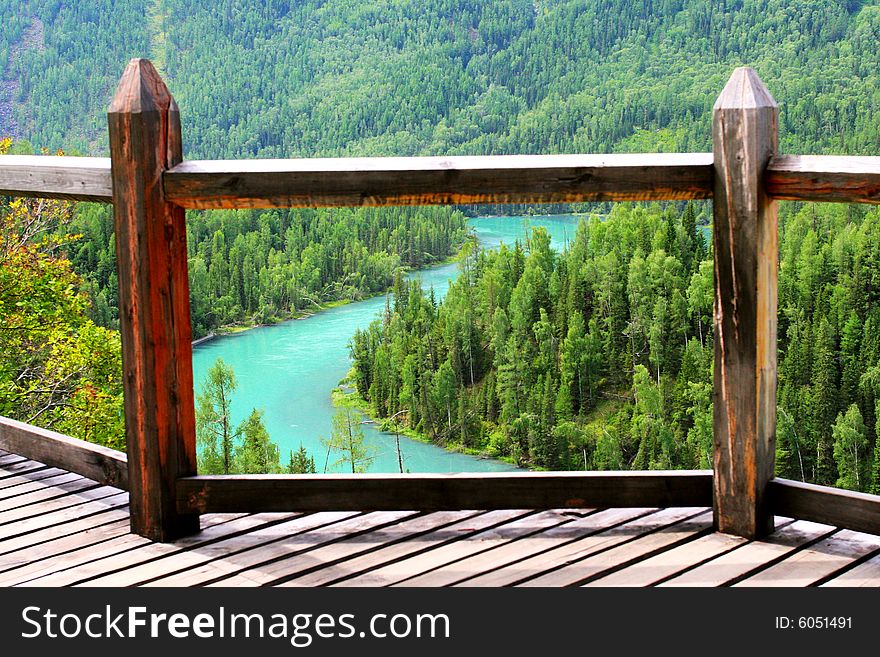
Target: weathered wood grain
x,y
52,176
833,506
444,492
103,465
232,555
58,488
421,570
298,571
816,562
55,518
744,134
528,557
22,565
111,568
153,302
276,558
438,180
610,550
670,562
865,574
29,485
12,520
753,556
476,535
842,179
464,522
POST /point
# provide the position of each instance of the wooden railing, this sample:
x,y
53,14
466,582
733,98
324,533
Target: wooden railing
x,y
150,186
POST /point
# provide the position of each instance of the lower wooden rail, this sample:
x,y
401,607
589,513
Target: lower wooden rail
x,y
832,506
438,492
102,464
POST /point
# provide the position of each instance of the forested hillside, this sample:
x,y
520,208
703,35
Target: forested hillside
x,y
600,357
250,267
332,77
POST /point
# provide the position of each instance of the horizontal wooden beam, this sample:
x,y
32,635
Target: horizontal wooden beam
x,y
438,180
51,176
101,464
325,182
840,179
832,506
437,492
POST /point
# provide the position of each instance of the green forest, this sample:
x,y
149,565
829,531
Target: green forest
x,y
403,77
595,357
600,357
250,268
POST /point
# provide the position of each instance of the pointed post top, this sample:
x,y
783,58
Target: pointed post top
x,y
140,89
744,90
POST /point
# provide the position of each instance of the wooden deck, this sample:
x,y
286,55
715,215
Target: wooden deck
x,y
60,529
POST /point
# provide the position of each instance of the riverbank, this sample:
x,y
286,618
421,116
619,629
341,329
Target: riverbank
x,y
346,396
232,329
289,369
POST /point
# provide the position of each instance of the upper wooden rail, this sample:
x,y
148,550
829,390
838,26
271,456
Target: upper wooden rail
x,y
840,179
438,180
53,176
333,182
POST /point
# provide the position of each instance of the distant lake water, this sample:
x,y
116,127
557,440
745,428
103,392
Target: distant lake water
x,y
289,369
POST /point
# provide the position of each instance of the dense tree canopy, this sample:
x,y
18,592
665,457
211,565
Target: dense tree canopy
x,y
601,356
402,77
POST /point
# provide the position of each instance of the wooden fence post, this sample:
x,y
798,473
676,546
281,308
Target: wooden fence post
x,y
744,135
154,317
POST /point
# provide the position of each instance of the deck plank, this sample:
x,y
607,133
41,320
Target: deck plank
x,y
54,555
599,531
497,567
316,548
652,540
752,556
107,568
650,571
20,468
57,490
369,544
32,484
478,540
64,553
478,552
99,515
10,519
433,540
865,574
817,561
228,557
9,459
53,519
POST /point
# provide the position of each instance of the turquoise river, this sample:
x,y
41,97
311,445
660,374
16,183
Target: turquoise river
x,y
289,369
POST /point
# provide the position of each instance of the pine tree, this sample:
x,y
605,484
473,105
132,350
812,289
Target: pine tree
x,y
257,454
300,462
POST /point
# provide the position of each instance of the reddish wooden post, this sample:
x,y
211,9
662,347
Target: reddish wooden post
x,y
153,302
744,134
